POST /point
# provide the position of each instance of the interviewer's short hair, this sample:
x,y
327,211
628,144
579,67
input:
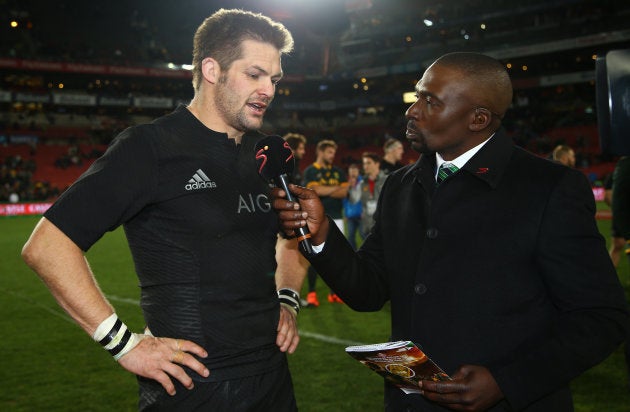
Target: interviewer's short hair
x,y
486,74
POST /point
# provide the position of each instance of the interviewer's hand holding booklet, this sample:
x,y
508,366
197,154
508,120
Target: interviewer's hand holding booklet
x,y
402,363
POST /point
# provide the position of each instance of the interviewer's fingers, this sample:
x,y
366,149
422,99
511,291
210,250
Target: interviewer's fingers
x,y
298,192
292,219
277,193
448,393
473,388
441,387
284,204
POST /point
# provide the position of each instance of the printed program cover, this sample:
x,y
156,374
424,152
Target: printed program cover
x,y
402,363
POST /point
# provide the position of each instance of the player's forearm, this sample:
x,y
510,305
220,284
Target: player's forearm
x,y
292,266
63,268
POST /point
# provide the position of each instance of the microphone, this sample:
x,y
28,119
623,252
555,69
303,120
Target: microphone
x,y
275,161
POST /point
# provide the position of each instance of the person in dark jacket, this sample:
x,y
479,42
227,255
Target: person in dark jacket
x,y
498,272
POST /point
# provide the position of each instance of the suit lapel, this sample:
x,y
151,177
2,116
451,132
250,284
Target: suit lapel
x,y
489,163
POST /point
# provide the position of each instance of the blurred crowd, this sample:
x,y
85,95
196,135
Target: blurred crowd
x,y
541,117
16,184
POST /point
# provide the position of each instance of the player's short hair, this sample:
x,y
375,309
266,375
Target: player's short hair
x,y
221,35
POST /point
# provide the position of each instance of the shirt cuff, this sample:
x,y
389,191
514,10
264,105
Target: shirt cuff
x,y
317,249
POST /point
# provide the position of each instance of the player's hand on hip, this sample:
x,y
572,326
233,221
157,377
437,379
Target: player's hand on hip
x,y
163,358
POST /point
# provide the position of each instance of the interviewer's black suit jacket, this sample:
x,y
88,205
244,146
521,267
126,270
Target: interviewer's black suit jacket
x,y
502,266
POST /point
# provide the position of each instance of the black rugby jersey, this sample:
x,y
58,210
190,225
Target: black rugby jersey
x,y
201,231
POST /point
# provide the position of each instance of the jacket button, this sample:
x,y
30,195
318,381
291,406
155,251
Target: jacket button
x,y
420,289
432,233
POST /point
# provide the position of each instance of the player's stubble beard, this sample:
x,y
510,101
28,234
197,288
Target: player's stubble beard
x,y
232,110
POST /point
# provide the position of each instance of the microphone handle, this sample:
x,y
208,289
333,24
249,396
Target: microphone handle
x,y
304,236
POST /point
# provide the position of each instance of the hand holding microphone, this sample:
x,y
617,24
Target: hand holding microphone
x,y
275,161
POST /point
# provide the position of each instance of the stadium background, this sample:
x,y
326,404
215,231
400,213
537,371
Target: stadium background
x,y
75,73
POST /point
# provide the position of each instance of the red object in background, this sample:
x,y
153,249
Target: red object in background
x,y
23,209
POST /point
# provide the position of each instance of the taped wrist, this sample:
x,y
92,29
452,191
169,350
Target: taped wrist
x,y
290,299
115,337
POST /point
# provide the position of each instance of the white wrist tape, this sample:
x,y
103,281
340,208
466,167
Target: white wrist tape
x,y
115,337
133,341
103,329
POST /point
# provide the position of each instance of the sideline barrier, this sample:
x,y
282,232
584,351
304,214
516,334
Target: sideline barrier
x,y
26,209
23,209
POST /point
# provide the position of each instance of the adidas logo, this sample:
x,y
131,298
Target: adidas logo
x,y
200,181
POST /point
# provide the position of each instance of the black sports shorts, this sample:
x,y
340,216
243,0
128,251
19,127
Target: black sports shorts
x,y
271,391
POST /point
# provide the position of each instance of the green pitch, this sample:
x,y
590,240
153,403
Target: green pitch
x,y
49,363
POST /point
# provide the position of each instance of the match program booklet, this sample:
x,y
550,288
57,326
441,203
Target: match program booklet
x,y
402,363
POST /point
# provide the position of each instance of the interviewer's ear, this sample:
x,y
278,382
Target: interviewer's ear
x,y
481,119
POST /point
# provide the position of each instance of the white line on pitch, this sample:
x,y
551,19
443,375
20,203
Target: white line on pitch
x,y
61,314
303,333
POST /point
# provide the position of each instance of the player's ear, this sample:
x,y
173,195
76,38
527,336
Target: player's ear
x,y
210,70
